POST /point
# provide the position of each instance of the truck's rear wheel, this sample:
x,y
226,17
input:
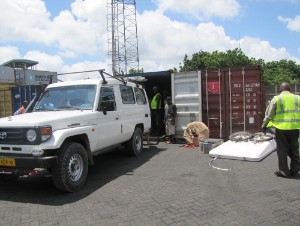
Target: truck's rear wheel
x,y
134,146
72,167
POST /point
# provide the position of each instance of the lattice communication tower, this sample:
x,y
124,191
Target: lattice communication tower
x,y
122,36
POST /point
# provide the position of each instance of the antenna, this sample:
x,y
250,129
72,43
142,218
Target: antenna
x,y
122,36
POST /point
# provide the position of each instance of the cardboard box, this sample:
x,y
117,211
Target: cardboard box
x,y
209,144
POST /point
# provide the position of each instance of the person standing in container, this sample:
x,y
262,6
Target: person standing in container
x,y
283,113
156,112
22,109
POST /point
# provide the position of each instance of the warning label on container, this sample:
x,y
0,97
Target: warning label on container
x,y
213,87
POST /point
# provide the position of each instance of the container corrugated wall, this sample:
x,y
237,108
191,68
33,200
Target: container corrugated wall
x,y
6,100
186,95
233,100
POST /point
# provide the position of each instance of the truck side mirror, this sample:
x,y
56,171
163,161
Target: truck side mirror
x,y
102,107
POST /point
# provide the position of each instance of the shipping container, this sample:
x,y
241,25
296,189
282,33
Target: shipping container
x,y
227,100
161,79
26,77
20,94
233,100
6,99
7,75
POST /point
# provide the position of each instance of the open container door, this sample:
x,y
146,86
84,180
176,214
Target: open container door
x,y
186,95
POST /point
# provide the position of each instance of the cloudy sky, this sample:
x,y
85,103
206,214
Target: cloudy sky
x,y
70,35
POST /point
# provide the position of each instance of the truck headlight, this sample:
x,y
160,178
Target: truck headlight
x,y
31,135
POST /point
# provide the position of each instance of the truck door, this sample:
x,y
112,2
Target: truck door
x,y
108,123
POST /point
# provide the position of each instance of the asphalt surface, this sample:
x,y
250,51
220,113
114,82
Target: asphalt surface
x,y
166,185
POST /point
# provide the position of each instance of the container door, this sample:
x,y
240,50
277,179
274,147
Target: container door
x,y
213,92
244,100
186,95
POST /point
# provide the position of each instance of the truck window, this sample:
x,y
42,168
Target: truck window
x,y
67,98
140,96
127,94
107,99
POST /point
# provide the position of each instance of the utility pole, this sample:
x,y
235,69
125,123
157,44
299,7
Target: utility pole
x,y
122,36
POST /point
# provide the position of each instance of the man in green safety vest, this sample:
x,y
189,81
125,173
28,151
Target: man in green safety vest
x,y
283,113
156,112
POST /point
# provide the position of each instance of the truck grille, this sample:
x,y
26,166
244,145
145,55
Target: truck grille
x,y
13,136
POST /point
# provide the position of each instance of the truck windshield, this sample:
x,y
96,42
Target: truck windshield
x,y
67,98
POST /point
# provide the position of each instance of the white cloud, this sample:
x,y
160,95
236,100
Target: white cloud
x,y
24,20
46,62
256,48
81,31
166,42
202,8
8,53
163,42
83,66
56,64
292,24
75,35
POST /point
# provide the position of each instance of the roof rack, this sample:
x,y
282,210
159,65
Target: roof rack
x,y
138,81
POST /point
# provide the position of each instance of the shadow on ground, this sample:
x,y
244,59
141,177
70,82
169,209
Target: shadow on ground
x,y
40,189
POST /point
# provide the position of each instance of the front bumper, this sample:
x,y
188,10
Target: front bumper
x,y
30,162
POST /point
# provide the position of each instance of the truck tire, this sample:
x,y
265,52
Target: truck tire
x,y
8,178
71,170
134,146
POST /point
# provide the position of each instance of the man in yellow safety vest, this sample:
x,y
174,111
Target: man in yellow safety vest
x,y
156,112
283,113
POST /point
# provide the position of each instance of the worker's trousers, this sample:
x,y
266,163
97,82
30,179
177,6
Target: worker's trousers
x,y
288,145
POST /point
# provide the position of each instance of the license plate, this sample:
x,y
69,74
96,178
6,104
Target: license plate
x,y
7,162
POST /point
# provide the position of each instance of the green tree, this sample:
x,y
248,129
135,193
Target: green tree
x,y
216,59
273,72
135,71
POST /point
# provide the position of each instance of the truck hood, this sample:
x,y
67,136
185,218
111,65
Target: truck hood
x,y
56,119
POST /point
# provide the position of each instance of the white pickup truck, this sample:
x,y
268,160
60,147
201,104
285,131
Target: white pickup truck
x,y
72,122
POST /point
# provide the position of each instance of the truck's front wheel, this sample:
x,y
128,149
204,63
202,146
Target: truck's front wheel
x,y
72,167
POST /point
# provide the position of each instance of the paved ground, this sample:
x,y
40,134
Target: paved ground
x,y
167,185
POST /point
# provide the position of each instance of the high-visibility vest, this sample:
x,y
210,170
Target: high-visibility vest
x,y
154,104
287,116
